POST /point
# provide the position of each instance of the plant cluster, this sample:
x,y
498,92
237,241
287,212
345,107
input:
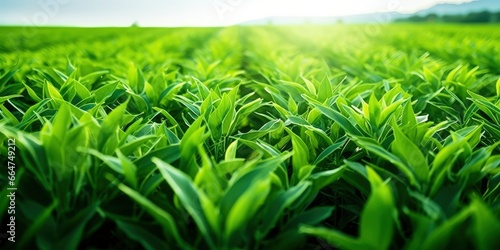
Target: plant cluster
x,y
254,137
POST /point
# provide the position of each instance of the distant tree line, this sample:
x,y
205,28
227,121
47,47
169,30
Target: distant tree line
x,y
473,17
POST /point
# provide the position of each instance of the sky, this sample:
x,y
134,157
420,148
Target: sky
x,y
188,12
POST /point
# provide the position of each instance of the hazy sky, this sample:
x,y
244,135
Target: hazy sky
x,y
187,12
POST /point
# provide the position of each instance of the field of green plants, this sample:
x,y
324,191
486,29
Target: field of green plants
x,y
258,137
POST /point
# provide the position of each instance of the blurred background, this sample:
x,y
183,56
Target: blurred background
x,y
170,13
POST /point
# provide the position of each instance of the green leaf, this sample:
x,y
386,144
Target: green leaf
x,y
486,106
245,207
335,238
6,77
300,156
377,225
405,149
136,79
443,235
292,106
160,215
104,92
330,149
383,153
486,226
498,87
475,163
325,90
442,162
386,112
324,178
246,110
37,224
9,97
112,162
169,93
375,110
275,208
409,117
241,181
203,90
32,93
231,151
52,91
128,168
168,154
53,139
109,128
305,124
194,136
310,85
8,116
81,90
337,117
190,196
131,147
91,78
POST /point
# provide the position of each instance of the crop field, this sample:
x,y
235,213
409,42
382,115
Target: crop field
x,y
251,137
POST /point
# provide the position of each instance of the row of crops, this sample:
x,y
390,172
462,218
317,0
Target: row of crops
x,y
354,137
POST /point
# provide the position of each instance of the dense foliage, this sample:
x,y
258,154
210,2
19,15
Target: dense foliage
x,y
358,137
473,17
